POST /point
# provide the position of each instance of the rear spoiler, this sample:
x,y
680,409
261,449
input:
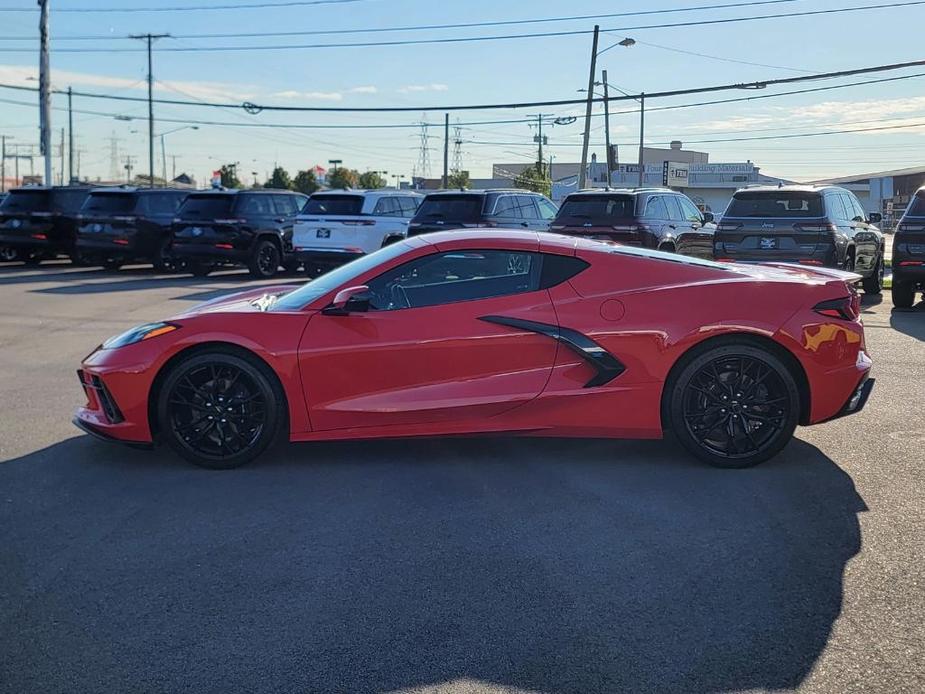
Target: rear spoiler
x,y
816,270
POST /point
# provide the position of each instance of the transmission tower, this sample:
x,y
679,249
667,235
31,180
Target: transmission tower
x,y
115,166
422,169
457,148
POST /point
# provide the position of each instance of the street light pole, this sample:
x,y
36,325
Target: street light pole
x,y
70,139
607,125
3,163
642,133
45,92
582,173
446,150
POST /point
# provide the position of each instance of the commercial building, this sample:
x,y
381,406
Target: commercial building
x,y
887,192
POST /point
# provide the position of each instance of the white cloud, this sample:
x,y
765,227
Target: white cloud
x,y
314,96
408,88
364,90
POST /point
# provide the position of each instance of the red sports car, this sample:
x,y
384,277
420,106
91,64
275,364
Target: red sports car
x,y
500,332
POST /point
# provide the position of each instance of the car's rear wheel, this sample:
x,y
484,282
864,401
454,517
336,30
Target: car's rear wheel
x,y
163,258
903,293
33,258
113,263
734,406
199,269
220,410
8,253
264,261
874,283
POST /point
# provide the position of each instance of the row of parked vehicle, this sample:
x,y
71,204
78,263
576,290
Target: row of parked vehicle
x,y
265,230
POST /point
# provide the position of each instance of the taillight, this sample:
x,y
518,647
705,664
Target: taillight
x,y
626,227
816,228
906,263
120,242
224,246
810,262
727,226
725,260
910,227
40,237
845,308
556,226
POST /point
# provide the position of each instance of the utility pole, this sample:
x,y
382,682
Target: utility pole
x,y
446,150
150,38
44,92
129,167
2,163
582,173
70,139
163,160
173,161
607,126
642,133
61,177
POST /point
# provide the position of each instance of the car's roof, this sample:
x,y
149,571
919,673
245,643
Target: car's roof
x,y
481,191
369,192
245,191
795,188
29,189
595,192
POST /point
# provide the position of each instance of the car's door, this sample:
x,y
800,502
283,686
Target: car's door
x,y
424,352
658,220
866,239
506,212
529,213
840,215
548,212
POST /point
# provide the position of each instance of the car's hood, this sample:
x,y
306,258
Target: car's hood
x,y
239,302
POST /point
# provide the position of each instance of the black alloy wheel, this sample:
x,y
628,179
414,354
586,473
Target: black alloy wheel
x,y
163,257
264,262
219,410
874,283
734,406
849,262
8,254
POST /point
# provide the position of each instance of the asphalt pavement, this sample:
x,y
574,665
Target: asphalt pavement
x,y
457,565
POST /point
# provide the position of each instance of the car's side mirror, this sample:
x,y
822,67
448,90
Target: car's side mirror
x,y
349,300
876,217
707,217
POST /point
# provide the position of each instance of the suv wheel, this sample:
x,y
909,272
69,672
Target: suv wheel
x,y
112,263
199,269
849,262
264,261
733,406
163,258
874,283
903,294
8,253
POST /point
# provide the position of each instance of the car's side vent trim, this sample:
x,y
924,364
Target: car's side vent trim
x,y
608,367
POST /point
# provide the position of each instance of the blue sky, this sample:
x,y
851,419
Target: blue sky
x,y
484,72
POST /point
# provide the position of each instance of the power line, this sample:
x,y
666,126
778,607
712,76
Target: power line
x,y
720,58
468,39
190,8
758,84
432,27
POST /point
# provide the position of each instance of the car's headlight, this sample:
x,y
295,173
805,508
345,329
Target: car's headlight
x,y
139,333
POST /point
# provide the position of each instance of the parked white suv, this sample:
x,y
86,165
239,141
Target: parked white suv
x,y
335,227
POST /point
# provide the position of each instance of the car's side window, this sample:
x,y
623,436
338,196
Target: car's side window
x,y
526,207
453,276
859,214
282,205
656,208
505,206
385,207
691,213
837,207
675,213
548,211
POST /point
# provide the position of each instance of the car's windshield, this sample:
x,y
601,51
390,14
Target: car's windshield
x,y
334,204
450,208
26,201
68,200
775,204
321,285
917,206
109,203
599,208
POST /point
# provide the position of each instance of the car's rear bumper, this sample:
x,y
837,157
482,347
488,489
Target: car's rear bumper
x,y
908,273
108,245
332,256
208,251
24,241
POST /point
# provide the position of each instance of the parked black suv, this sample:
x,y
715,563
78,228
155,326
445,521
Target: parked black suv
x,y
237,227
468,209
39,222
123,225
811,225
657,218
909,253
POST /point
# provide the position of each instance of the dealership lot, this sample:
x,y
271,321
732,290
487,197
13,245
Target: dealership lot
x,y
453,565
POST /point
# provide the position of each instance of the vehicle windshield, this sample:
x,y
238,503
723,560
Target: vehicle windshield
x,y
26,201
338,277
65,200
596,208
917,206
109,203
450,208
775,204
208,206
334,204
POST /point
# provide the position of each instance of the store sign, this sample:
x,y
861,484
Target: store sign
x,y
675,174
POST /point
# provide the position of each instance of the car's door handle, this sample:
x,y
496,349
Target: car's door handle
x,y
672,226
525,224
280,220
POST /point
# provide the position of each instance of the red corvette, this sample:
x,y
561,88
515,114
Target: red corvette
x,y
501,332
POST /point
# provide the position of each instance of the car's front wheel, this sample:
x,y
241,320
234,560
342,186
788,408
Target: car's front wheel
x,y
733,406
220,410
8,254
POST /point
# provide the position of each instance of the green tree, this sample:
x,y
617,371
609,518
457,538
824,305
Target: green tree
x,y
343,178
534,178
370,180
305,182
280,179
230,176
458,179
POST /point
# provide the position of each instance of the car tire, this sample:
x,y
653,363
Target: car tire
x,y
199,269
112,263
163,259
264,261
32,259
874,283
903,293
733,405
79,259
220,409
8,254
